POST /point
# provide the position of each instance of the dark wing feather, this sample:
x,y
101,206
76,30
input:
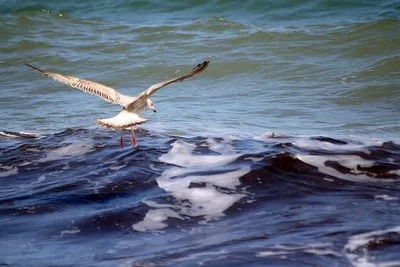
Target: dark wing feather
x,y
154,88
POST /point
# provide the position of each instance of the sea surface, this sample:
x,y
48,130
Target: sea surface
x,y
284,152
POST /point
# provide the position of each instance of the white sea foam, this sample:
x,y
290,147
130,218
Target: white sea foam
x,y
203,257
72,150
357,253
269,135
6,134
9,171
117,168
308,143
180,155
320,249
69,232
41,178
19,134
351,162
25,163
227,180
254,159
271,253
196,195
223,147
154,220
396,172
323,252
385,197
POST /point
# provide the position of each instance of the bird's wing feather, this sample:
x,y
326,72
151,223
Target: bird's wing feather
x,y
154,88
107,93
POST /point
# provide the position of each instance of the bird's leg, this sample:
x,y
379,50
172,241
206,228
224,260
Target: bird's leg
x,y
133,140
121,142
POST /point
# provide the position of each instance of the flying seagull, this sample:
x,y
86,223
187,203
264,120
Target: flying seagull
x,y
132,107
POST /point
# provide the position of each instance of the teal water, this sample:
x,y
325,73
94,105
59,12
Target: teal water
x,y
210,183
295,67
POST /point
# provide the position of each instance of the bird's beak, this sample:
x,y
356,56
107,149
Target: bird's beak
x,y
154,110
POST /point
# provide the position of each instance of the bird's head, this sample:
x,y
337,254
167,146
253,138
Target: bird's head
x,y
150,105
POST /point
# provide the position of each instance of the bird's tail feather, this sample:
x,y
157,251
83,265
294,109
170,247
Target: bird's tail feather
x,y
123,120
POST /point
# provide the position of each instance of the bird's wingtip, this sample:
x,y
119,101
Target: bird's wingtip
x,y
201,66
33,67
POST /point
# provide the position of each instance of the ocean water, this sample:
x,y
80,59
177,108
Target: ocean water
x,y
284,152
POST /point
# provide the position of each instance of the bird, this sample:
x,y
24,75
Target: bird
x,y
132,107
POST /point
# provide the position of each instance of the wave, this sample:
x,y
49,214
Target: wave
x,y
24,135
80,184
273,11
360,246
202,163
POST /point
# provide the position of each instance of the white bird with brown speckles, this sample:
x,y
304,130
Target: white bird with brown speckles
x,y
132,107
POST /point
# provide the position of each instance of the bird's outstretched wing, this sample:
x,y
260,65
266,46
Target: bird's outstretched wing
x,y
107,93
154,88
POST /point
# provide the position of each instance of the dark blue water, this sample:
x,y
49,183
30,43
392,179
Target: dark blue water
x,y
284,152
76,198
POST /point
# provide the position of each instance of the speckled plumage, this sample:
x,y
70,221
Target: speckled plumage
x,y
133,107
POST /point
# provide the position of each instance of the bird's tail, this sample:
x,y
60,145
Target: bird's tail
x,y
123,120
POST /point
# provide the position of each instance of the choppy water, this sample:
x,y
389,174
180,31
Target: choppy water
x,y
209,183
